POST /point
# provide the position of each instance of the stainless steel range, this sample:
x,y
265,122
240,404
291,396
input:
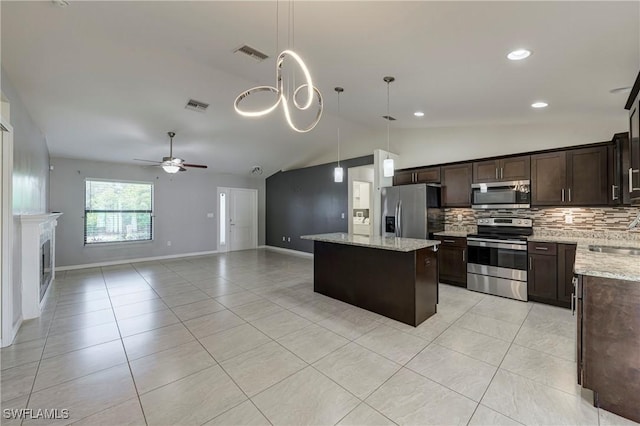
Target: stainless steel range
x,y
497,261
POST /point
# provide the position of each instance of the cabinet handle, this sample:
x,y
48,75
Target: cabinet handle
x,y
563,195
463,250
448,241
496,173
573,303
530,263
542,248
569,194
631,172
613,192
501,173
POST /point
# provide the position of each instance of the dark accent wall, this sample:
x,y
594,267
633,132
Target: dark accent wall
x,y
307,201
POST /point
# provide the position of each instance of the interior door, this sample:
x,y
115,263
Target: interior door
x,y
243,219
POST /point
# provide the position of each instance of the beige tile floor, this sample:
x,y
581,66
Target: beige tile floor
x,y
241,338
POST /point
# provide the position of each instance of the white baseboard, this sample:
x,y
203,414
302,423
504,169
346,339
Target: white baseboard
x,y
8,340
289,251
139,259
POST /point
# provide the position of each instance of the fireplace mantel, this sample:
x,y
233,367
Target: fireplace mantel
x,y
37,229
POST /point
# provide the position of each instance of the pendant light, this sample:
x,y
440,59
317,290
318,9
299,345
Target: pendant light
x,y
338,172
387,164
307,88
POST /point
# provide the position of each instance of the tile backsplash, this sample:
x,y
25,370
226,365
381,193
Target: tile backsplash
x,y
588,222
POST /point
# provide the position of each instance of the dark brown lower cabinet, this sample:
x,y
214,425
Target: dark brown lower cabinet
x,y
608,343
452,261
550,273
566,259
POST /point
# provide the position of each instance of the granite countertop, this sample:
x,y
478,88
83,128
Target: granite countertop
x,y
605,265
385,243
456,234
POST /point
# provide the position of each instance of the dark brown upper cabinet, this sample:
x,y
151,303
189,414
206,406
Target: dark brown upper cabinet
x,y
503,170
577,177
633,175
548,178
426,175
456,185
618,153
587,177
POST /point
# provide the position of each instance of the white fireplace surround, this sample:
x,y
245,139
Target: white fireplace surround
x,y
36,230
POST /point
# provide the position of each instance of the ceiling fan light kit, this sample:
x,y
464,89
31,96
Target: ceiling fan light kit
x,y
172,164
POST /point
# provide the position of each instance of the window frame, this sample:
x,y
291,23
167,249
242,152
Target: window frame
x,y
125,242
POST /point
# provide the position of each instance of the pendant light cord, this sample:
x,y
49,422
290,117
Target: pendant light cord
x,y
339,127
388,120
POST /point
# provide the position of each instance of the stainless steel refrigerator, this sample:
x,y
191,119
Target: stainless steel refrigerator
x,y
412,211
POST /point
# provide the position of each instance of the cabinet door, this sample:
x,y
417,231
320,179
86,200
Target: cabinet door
x,y
566,259
542,276
456,185
486,171
548,179
634,151
516,168
452,264
430,175
402,178
587,177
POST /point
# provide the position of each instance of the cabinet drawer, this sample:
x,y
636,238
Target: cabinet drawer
x,y
453,241
542,248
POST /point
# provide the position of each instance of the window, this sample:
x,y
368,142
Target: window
x,y
117,211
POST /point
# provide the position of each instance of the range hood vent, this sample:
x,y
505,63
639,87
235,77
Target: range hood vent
x,y
196,105
252,53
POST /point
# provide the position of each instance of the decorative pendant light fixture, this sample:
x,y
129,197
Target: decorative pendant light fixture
x,y
338,172
387,164
282,95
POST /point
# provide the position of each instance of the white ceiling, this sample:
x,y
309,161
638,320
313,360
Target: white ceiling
x,y
107,80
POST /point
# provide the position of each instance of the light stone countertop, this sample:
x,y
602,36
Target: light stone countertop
x,y
456,234
384,243
605,265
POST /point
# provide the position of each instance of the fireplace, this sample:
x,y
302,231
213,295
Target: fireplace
x,y
38,260
45,267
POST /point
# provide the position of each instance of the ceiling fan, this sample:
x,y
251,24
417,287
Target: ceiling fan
x,y
172,164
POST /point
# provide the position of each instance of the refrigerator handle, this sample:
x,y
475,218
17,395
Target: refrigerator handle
x,y
395,218
399,220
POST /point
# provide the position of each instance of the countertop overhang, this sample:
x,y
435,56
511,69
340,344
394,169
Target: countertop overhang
x,y
377,242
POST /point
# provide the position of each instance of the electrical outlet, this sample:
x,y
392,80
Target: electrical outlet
x,y
288,239
169,243
459,218
568,218
342,215
283,238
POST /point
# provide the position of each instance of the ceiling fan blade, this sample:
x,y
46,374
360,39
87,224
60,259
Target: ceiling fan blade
x,y
196,166
182,169
147,161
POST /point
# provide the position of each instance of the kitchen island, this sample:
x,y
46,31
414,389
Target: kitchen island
x,y
394,277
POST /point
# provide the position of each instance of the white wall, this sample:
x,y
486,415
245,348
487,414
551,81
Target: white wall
x,y
437,145
182,202
30,177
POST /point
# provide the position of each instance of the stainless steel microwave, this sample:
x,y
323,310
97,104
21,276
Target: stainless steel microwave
x,y
501,195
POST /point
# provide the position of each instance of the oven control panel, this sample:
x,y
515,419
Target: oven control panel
x,y
505,221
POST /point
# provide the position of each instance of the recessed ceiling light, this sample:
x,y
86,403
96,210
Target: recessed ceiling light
x,y
539,105
419,114
518,55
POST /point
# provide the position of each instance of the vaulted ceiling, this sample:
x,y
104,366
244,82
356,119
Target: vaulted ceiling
x,y
107,80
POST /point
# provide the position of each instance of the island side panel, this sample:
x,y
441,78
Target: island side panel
x,y
381,281
426,284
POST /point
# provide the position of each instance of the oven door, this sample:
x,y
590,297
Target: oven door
x,y
498,258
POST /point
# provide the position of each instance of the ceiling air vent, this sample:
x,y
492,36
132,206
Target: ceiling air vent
x,y
196,105
251,52
388,117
